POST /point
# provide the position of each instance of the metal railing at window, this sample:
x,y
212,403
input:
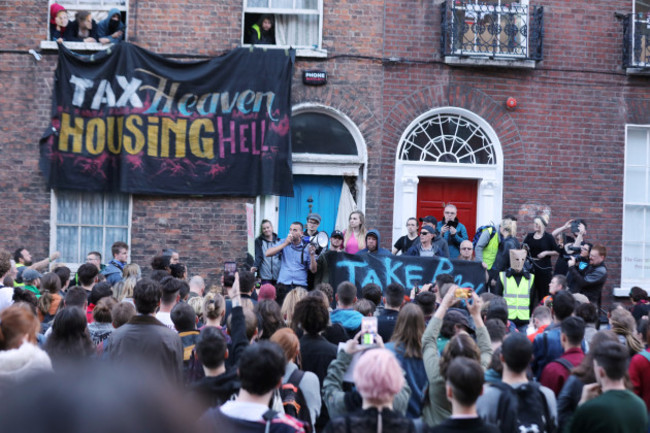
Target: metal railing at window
x,y
636,44
496,30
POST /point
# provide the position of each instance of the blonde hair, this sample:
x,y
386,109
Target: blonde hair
x,y
509,226
289,304
361,240
197,304
213,306
623,324
127,288
132,270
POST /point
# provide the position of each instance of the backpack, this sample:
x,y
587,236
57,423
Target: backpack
x,y
523,409
293,401
479,232
564,363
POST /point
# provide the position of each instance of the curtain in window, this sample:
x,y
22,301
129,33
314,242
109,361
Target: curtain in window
x,y
296,30
90,222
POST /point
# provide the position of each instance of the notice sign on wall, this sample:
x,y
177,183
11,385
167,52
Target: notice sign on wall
x,y
128,120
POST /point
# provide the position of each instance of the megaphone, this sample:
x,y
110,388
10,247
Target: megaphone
x,y
320,240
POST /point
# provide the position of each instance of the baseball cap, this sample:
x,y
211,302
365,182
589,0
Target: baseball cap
x,y
30,275
429,228
267,291
429,219
337,233
458,318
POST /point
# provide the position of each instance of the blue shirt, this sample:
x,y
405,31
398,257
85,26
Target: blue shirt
x,y
295,264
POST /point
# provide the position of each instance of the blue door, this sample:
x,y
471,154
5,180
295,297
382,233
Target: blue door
x,y
322,193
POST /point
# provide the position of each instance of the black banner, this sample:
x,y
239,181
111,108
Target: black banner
x,y
128,120
408,271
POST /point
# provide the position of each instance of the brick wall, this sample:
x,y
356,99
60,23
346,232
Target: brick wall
x,y
563,146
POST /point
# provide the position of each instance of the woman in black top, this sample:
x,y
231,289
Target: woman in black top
x,y
405,242
542,247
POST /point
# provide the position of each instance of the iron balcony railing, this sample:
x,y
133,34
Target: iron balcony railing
x,y
636,44
496,30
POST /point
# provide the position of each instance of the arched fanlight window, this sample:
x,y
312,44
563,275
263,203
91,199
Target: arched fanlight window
x,y
448,138
314,132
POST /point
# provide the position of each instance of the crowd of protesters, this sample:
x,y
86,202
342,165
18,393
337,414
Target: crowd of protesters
x,y
276,348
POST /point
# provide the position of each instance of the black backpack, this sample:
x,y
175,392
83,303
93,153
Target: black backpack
x,y
293,401
523,409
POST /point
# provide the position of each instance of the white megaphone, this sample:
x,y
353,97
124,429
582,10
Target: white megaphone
x,y
320,240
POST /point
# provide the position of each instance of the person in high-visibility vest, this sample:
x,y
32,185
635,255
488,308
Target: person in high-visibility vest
x,y
262,32
514,285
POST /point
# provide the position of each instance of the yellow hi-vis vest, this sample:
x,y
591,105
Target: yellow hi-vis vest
x,y
517,296
491,249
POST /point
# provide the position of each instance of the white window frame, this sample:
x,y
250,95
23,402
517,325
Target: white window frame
x,y
53,232
489,202
94,6
627,283
300,51
636,21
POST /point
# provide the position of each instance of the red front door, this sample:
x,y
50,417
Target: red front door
x,y
435,193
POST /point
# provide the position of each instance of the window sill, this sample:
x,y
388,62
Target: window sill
x,y
300,52
75,46
624,292
640,70
482,61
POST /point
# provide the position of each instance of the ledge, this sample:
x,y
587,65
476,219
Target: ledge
x,y
300,52
644,71
74,46
482,61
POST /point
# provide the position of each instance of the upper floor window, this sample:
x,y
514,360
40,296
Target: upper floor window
x,y
497,30
284,23
86,24
636,51
86,221
635,263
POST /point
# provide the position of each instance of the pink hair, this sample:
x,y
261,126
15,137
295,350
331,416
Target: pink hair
x,y
378,376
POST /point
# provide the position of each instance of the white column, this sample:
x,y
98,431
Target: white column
x,y
489,202
406,204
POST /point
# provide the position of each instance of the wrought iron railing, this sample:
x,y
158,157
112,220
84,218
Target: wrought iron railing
x,y
496,30
636,43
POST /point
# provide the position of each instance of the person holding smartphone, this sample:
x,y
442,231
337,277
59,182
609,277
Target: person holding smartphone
x,y
452,230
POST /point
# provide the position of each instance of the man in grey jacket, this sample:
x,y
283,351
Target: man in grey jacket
x,y
144,340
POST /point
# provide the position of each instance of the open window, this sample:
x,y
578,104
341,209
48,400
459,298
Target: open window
x,y
492,32
296,23
99,11
636,48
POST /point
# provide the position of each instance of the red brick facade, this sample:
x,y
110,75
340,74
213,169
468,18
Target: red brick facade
x,y
563,145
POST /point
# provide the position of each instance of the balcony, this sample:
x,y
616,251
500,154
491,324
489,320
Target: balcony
x,y
492,34
636,44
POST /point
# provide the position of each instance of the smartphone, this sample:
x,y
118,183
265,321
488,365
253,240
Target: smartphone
x,y
463,293
369,329
229,269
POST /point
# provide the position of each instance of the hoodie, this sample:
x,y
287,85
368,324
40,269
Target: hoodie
x,y
440,247
21,363
349,319
55,34
380,252
216,390
106,27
